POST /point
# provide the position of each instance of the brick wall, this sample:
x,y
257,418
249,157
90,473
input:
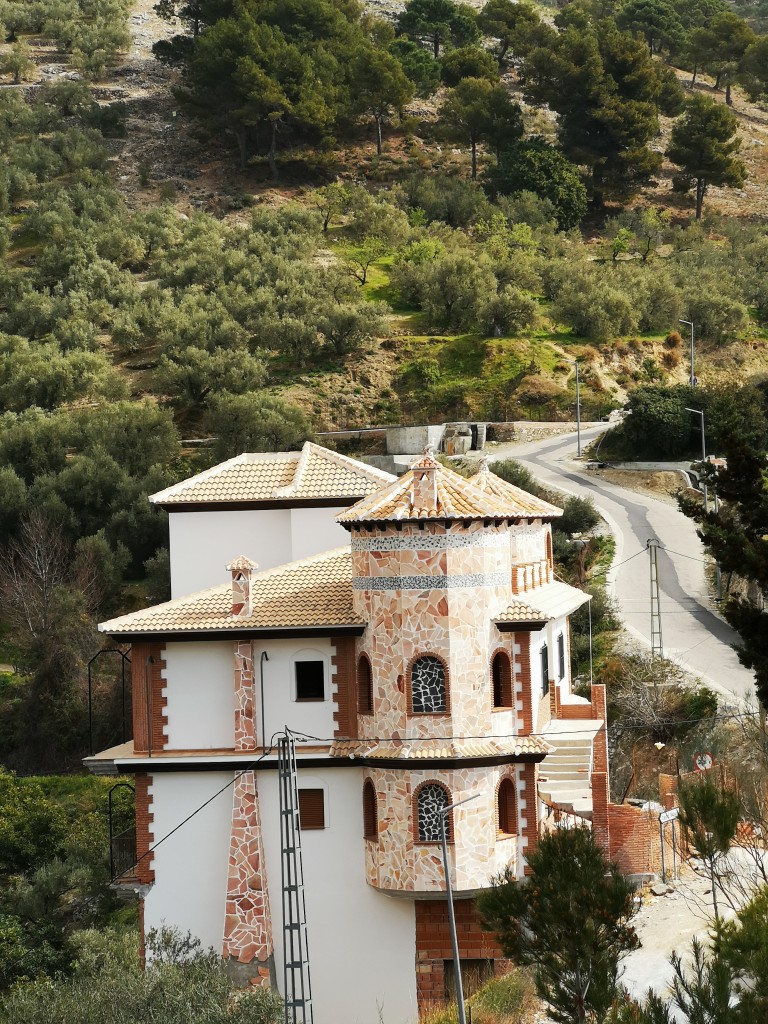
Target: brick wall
x,y
345,687
158,717
523,659
529,813
145,871
635,843
433,946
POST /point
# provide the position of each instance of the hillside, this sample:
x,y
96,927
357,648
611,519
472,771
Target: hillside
x,y
164,159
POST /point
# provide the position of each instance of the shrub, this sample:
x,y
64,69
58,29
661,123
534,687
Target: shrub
x,y
718,317
671,360
509,312
579,516
592,304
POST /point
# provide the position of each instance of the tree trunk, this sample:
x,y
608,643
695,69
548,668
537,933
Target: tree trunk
x,y
714,890
701,188
436,46
597,186
377,118
728,100
241,134
718,79
473,144
272,151
695,72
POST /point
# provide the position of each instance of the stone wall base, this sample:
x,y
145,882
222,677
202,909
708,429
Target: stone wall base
x,y
256,974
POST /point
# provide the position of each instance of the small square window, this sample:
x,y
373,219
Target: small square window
x,y
310,680
311,809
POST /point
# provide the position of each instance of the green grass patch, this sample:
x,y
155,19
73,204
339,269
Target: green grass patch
x,y
508,1000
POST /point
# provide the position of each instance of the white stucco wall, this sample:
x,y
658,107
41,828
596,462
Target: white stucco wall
x,y
316,529
281,707
203,543
362,944
199,687
190,866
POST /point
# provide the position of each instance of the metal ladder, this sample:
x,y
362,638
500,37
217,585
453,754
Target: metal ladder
x,y
657,647
297,990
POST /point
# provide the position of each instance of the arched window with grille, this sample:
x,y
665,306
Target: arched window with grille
x,y
501,679
429,690
364,687
370,811
506,806
432,799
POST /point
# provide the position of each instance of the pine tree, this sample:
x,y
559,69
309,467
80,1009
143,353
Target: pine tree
x,y
569,921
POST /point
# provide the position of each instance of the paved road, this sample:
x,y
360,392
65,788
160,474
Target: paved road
x,y
692,634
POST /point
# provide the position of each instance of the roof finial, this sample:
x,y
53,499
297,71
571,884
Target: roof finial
x,y
429,450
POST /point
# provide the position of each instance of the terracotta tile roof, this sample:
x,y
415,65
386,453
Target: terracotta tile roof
x,y
433,749
313,592
520,612
314,472
528,505
428,490
544,603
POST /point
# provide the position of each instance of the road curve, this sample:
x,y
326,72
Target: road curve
x,y
692,634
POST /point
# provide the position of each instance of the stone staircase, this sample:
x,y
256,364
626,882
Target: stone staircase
x,y
564,775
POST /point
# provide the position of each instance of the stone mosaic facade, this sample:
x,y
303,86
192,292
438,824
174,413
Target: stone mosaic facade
x,y
398,860
463,577
247,921
245,718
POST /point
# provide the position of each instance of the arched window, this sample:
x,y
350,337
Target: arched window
x,y
501,677
370,811
550,561
364,687
506,806
429,694
431,802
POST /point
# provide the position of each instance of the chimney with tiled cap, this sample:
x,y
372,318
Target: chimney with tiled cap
x,y
242,570
424,480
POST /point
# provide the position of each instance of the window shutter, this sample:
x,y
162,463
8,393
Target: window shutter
x,y
370,815
311,808
364,687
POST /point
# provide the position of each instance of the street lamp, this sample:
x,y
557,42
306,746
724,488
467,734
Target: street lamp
x,y
444,812
574,362
693,375
699,412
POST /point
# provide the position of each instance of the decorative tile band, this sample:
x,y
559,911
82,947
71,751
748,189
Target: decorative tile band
x,y
428,541
478,579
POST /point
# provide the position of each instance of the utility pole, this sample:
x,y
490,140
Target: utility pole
x,y
693,375
578,411
297,988
699,412
657,646
451,916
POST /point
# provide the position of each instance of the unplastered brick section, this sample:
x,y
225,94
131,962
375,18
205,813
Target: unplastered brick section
x,y
344,682
247,920
145,872
433,946
522,669
147,671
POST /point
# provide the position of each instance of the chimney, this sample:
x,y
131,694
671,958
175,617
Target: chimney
x,y
242,570
424,481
